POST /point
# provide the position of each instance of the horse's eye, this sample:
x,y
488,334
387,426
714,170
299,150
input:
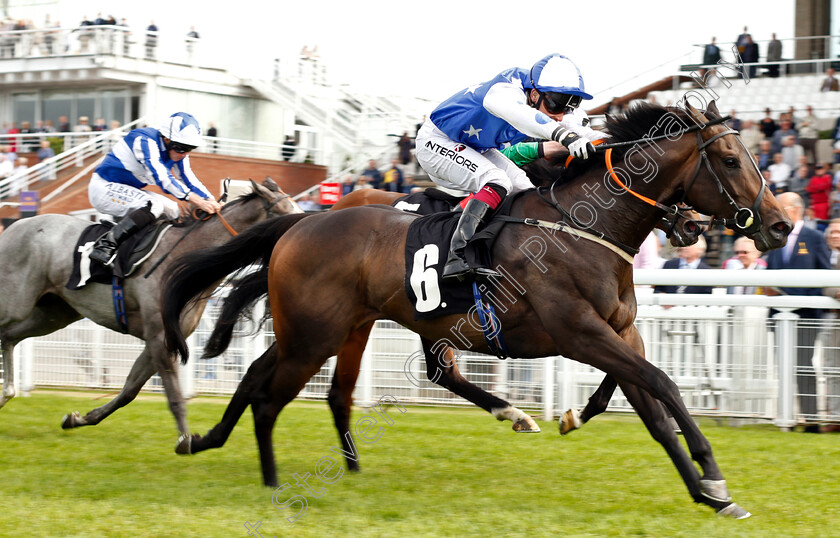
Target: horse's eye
x,y
730,162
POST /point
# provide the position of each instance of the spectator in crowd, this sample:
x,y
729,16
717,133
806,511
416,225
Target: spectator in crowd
x,y
13,142
831,358
10,153
307,203
785,129
192,39
805,249
741,42
64,125
29,143
405,145
774,54
747,256
800,178
372,175
7,166
288,147
808,134
19,170
49,126
780,173
151,40
362,183
791,152
393,178
818,190
45,151
830,82
83,126
734,122
765,156
347,185
751,136
711,53
689,257
85,33
212,133
768,125
99,125
750,55
648,256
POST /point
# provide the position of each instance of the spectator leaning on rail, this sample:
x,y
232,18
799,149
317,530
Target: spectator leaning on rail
x,y
458,145
747,256
144,157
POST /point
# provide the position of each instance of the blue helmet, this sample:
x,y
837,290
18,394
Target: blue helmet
x,y
182,128
557,74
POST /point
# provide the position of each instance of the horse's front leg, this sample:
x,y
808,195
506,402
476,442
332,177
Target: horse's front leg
x,y
167,368
141,371
442,369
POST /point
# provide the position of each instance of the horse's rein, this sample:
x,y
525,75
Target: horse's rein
x,y
225,223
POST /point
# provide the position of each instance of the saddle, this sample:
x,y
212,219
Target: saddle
x,y
131,254
426,248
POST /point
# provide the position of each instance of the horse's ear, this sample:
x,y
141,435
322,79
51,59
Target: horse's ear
x,y
695,114
270,184
259,189
713,109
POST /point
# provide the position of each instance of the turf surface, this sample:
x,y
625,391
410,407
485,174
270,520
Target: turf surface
x,y
434,472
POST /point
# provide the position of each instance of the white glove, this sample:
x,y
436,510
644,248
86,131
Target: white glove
x,y
577,145
578,121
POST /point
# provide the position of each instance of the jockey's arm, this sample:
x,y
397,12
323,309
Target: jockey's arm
x,y
507,101
526,152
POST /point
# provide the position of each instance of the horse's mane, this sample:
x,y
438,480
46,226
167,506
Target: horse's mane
x,y
638,122
190,219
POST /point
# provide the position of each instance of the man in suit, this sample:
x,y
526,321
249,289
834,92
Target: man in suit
x,y
689,258
831,359
805,249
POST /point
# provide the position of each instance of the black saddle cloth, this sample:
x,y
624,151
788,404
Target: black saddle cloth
x,y
426,250
427,202
134,251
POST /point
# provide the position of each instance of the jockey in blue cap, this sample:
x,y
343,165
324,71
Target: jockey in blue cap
x,y
147,156
458,145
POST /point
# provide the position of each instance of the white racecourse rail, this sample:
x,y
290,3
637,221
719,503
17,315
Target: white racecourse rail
x,y
728,356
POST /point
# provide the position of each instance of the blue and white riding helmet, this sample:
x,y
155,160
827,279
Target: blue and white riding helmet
x,y
182,129
559,82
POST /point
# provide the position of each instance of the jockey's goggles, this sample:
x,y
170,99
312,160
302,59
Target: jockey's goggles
x,y
560,103
177,147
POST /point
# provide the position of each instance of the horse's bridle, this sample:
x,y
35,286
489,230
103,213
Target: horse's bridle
x,y
746,220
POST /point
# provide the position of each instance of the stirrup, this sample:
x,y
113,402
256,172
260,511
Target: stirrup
x,y
456,269
98,257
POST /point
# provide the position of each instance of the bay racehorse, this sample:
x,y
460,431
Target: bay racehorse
x,y
36,261
567,266
679,225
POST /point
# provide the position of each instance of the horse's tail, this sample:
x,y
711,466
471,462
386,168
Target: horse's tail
x,y
245,292
193,273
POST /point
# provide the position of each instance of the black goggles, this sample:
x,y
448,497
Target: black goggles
x,y
177,147
560,103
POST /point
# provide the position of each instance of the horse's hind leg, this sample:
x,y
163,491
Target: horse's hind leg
x,y
48,316
573,419
256,374
340,397
290,375
442,369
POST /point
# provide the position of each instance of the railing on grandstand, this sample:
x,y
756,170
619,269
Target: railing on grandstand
x,y
111,40
79,147
728,361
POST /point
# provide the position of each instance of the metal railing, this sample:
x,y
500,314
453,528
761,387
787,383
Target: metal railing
x,y
728,360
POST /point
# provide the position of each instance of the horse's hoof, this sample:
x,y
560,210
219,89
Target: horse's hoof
x,y
73,420
184,445
526,425
734,511
569,421
715,490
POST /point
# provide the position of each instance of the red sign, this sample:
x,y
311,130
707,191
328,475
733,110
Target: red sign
x,y
330,193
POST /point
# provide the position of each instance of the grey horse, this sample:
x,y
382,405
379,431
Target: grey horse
x,y
35,261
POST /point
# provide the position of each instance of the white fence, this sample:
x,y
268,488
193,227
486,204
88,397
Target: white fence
x,y
729,361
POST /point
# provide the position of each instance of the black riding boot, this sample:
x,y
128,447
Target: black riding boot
x,y
475,213
105,249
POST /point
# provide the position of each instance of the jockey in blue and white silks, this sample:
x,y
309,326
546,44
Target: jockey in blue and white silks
x,y
459,142
146,157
